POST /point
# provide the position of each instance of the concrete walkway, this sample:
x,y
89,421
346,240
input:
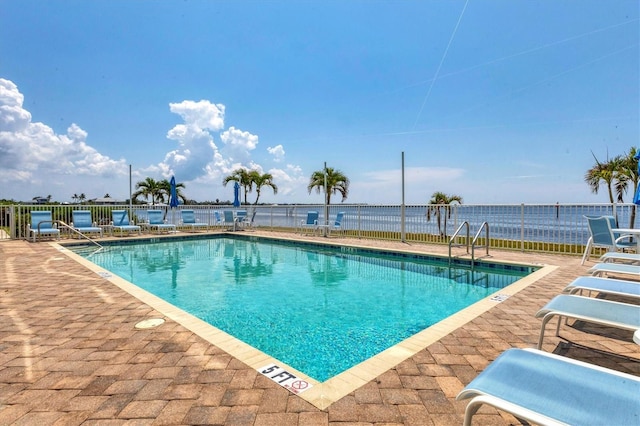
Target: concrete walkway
x,y
70,354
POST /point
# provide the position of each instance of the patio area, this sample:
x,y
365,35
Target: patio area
x,y
70,354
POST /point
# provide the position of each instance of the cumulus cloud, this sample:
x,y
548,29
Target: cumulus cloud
x,y
26,146
277,152
238,144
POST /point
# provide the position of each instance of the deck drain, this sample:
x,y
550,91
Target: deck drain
x,y
150,323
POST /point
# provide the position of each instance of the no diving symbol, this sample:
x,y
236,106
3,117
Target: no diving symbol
x,y
299,385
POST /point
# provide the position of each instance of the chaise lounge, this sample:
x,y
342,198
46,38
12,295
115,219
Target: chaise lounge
x,y
120,222
598,311
156,221
189,221
549,389
42,224
604,286
82,222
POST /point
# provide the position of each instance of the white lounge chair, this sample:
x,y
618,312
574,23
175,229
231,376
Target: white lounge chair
x,y
600,228
549,389
604,285
121,222
600,269
156,221
42,224
614,256
598,311
189,221
82,222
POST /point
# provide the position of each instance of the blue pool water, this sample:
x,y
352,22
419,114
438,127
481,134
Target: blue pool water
x,y
319,310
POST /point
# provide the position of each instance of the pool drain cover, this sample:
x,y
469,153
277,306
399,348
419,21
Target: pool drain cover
x,y
150,323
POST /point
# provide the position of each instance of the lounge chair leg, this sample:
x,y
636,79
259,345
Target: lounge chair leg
x,y
587,251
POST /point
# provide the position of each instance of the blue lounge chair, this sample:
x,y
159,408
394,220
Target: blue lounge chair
x,y
602,236
604,285
242,219
549,389
218,220
120,222
613,256
42,224
82,222
311,222
189,221
600,269
337,224
229,220
156,221
598,311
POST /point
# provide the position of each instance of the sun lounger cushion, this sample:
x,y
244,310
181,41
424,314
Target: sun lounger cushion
x,y
545,388
604,285
598,311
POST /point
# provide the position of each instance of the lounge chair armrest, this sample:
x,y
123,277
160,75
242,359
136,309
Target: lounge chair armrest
x,y
624,237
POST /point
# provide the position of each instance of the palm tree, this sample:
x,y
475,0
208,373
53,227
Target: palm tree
x,y
74,197
82,198
627,176
148,188
243,177
337,182
260,180
603,172
439,201
164,192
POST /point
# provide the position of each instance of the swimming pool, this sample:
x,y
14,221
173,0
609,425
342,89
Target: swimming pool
x,y
319,309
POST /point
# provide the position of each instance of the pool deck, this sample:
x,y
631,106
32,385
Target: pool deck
x,y
71,354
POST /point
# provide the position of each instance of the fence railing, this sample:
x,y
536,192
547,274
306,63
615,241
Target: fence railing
x,y
555,228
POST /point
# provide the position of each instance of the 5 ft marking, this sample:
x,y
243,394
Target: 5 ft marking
x,y
285,379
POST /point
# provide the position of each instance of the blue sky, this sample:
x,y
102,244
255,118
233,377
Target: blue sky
x,y
496,101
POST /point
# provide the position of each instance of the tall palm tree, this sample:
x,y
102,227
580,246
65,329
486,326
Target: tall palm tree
x,y
148,188
603,172
337,182
626,177
243,177
260,180
82,198
441,201
74,197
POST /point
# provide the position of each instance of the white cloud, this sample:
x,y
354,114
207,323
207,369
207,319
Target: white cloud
x,y
27,147
202,114
277,152
238,144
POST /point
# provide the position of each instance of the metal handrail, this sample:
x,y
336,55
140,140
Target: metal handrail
x,y
60,222
455,234
485,226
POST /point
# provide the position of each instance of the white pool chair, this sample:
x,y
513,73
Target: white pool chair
x,y
598,311
612,256
549,389
604,285
157,222
600,269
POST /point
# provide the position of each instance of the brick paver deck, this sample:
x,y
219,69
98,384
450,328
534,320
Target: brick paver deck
x,y
70,354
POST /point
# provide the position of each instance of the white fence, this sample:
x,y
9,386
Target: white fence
x,y
559,228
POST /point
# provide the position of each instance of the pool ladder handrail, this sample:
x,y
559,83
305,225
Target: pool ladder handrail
x,y
485,226
469,242
62,223
465,225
